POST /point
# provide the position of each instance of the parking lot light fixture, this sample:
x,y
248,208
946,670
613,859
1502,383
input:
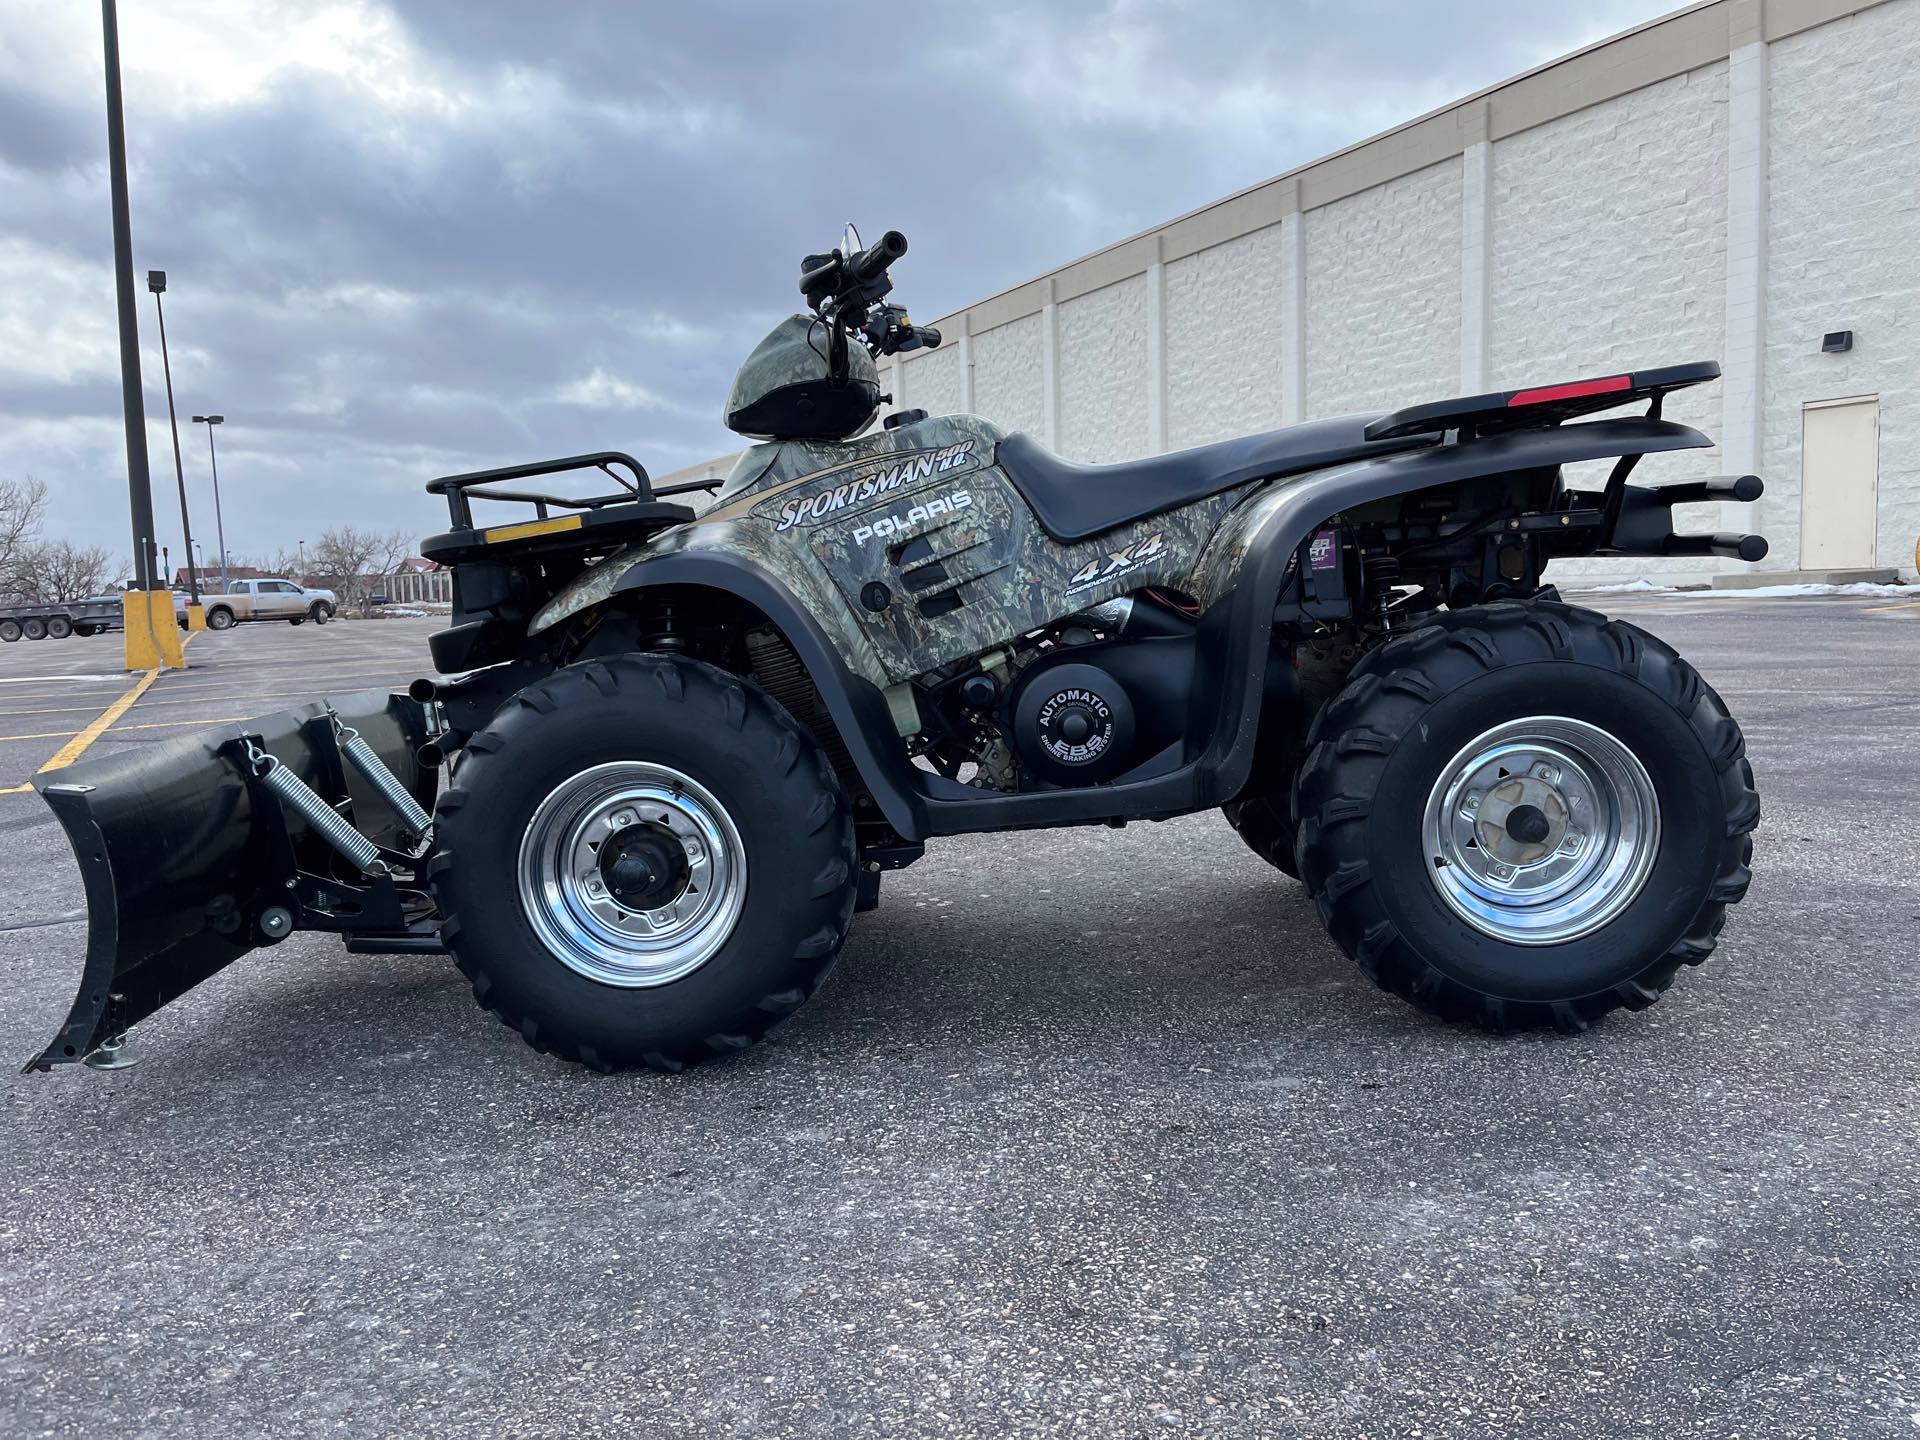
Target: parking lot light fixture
x,y
213,463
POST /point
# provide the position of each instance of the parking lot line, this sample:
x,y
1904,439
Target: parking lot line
x,y
82,740
77,746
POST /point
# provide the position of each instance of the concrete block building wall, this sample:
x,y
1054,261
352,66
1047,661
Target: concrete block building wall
x,y
1103,373
1843,253
1608,252
1008,374
1225,372
1383,294
1729,182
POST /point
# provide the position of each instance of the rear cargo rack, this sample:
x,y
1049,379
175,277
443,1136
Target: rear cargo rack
x,y
1539,405
617,517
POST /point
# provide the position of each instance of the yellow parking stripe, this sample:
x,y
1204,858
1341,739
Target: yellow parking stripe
x,y
83,738
77,746
79,743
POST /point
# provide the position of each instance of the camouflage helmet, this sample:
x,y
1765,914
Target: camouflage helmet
x,y
782,391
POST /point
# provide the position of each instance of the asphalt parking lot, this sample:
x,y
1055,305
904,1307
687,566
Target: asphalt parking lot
x,y
1091,1132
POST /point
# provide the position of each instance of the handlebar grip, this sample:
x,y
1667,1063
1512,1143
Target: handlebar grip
x,y
873,261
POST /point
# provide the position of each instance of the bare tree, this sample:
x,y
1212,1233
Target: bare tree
x,y
22,507
59,570
355,561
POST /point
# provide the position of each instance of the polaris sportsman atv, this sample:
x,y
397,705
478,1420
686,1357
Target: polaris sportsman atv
x,y
685,741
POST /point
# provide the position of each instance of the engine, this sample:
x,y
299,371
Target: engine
x,y
1081,703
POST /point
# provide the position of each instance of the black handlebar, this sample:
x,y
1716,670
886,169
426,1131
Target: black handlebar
x,y
850,290
871,263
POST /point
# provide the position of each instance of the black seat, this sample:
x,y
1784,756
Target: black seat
x,y
1075,502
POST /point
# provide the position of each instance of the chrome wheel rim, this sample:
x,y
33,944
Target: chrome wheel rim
x,y
1541,830
632,874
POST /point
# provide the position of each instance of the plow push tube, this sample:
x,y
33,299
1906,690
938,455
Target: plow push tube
x,y
191,858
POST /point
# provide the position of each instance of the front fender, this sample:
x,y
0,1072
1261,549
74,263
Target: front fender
x,y
854,700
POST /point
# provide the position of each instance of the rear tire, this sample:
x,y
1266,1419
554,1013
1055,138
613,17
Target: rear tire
x,y
9,630
1575,715
220,618
59,627
34,628
1266,822
531,915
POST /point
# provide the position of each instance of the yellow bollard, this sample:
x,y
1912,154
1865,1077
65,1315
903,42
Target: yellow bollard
x,y
196,617
152,632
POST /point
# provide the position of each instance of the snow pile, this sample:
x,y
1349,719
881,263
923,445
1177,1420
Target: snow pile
x,y
1859,588
1631,587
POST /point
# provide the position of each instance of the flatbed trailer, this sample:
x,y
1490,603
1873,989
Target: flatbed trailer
x,y
56,620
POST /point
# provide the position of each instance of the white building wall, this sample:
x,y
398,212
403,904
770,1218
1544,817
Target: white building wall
x,y
1843,253
1007,382
1609,242
1727,183
1383,295
934,380
1103,373
1225,369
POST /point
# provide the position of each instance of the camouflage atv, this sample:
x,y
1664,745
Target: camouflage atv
x,y
685,741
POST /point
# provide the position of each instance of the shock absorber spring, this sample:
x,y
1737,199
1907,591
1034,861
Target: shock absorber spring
x,y
322,817
360,755
1382,574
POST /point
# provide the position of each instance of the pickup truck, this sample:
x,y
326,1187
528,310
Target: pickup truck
x,y
267,600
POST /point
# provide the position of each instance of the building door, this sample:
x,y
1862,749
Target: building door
x,y
1839,483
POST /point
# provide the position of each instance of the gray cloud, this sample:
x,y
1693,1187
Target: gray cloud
x,y
408,236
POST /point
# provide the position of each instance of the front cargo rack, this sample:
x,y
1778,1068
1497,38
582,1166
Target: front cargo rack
x,y
631,513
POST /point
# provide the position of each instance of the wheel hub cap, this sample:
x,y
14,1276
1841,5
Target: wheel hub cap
x,y
1541,830
632,874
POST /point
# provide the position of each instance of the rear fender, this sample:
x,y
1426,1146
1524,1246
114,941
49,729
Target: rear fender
x,y
1240,573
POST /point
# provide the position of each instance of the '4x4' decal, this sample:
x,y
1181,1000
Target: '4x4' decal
x,y
1131,557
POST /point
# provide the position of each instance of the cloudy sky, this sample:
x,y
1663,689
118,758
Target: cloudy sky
x,y
405,237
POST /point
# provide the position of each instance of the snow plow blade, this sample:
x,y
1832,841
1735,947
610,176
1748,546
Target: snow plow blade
x,y
191,856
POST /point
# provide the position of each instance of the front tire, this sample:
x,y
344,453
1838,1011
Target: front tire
x,y
320,614
1526,815
220,618
643,861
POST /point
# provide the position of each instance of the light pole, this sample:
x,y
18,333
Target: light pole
x,y
303,560
151,637
219,525
157,283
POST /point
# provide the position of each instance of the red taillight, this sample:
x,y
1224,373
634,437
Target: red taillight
x,y
1548,393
